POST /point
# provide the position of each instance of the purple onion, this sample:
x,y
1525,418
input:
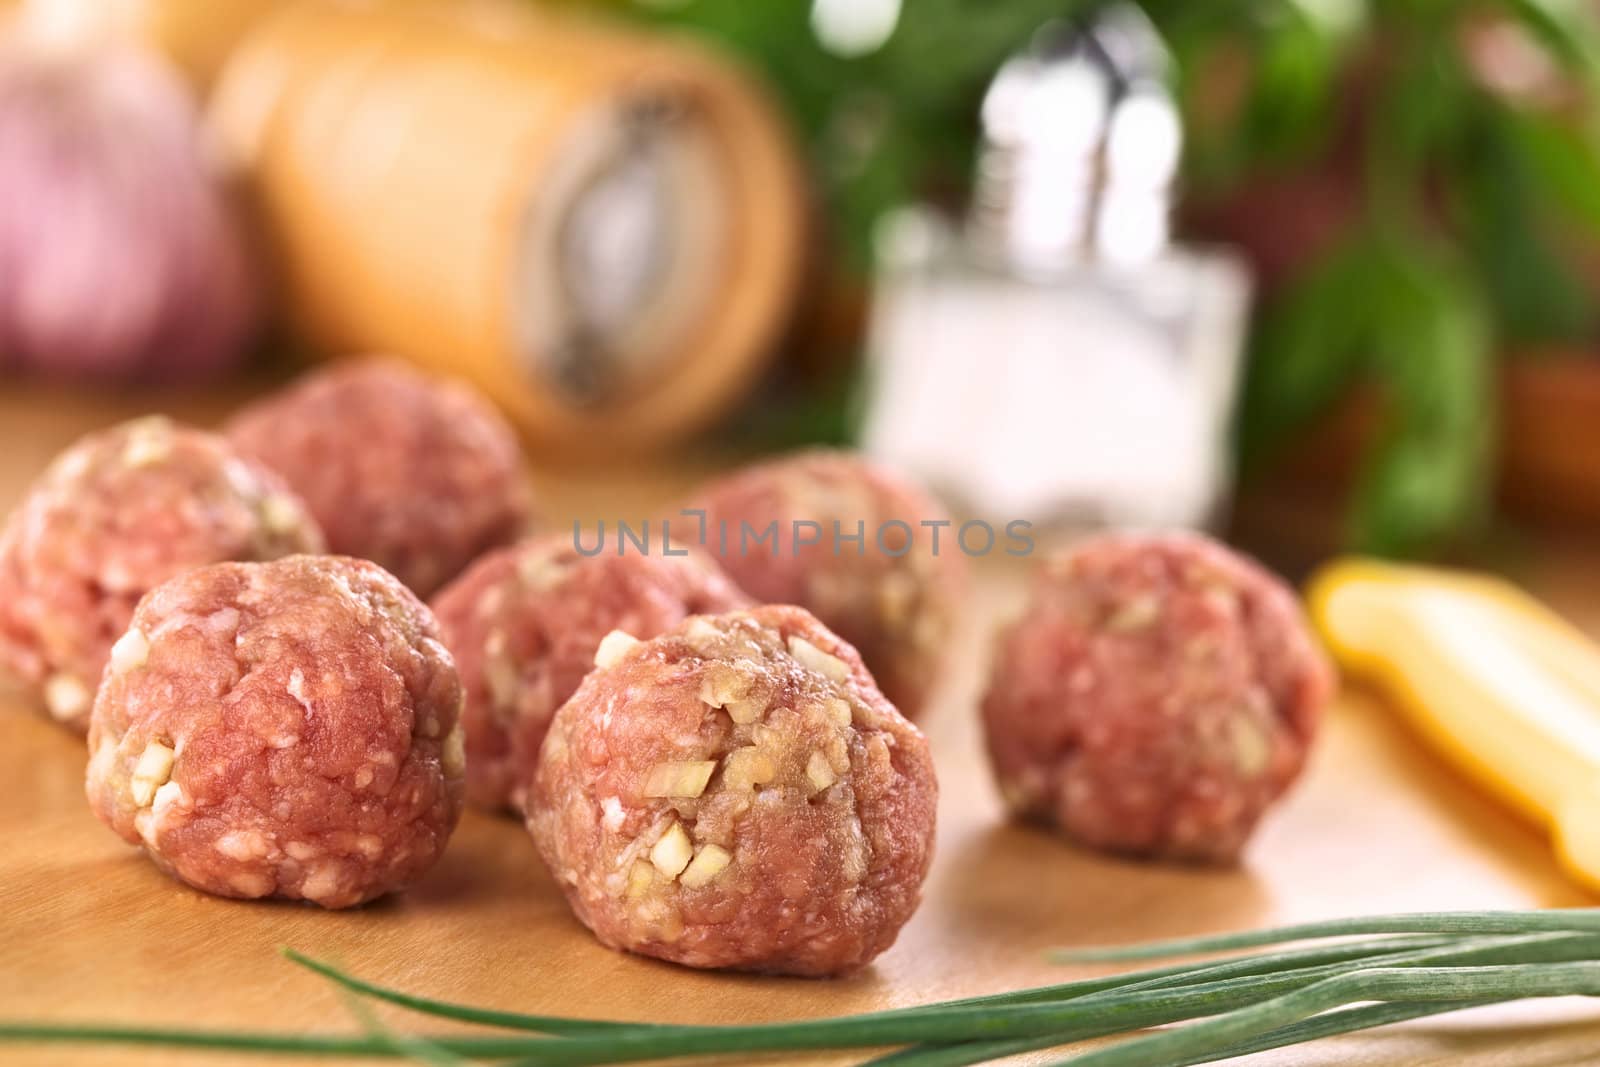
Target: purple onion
x,y
119,255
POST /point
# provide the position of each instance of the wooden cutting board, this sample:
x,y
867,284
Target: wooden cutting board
x,y
91,931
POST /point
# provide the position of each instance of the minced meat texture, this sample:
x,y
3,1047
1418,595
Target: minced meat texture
x,y
115,515
1156,696
896,602
416,473
284,729
523,624
736,793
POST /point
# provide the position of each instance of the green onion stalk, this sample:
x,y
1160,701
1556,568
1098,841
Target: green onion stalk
x,y
1334,977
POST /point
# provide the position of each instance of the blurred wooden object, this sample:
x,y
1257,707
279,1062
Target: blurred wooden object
x,y
1550,438
422,173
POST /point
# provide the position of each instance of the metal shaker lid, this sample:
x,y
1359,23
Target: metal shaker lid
x,y
1081,144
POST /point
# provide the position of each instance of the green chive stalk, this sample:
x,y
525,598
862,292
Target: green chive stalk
x,y
1384,969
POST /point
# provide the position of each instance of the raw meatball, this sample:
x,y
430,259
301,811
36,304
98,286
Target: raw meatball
x,y
417,474
1156,696
523,624
281,729
114,516
896,601
736,793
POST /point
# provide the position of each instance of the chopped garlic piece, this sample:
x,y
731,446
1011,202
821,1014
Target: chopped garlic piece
x,y
745,712
746,768
1136,614
66,696
672,853
709,862
150,443
839,711
897,595
242,477
151,772
722,684
701,634
500,675
69,466
613,647
169,794
453,755
280,513
819,773
324,882
683,778
542,572
813,658
640,877
130,652
729,689
1252,750
242,845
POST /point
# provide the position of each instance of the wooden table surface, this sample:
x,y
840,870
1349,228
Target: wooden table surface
x,y
90,930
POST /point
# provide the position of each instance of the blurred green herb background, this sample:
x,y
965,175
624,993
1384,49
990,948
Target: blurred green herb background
x,y
1464,131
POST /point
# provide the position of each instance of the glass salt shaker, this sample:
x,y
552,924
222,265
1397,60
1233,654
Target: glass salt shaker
x,y
1056,358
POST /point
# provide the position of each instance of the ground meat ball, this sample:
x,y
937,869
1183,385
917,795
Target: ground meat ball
x,y
114,516
737,793
281,729
1157,695
898,610
418,474
523,624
